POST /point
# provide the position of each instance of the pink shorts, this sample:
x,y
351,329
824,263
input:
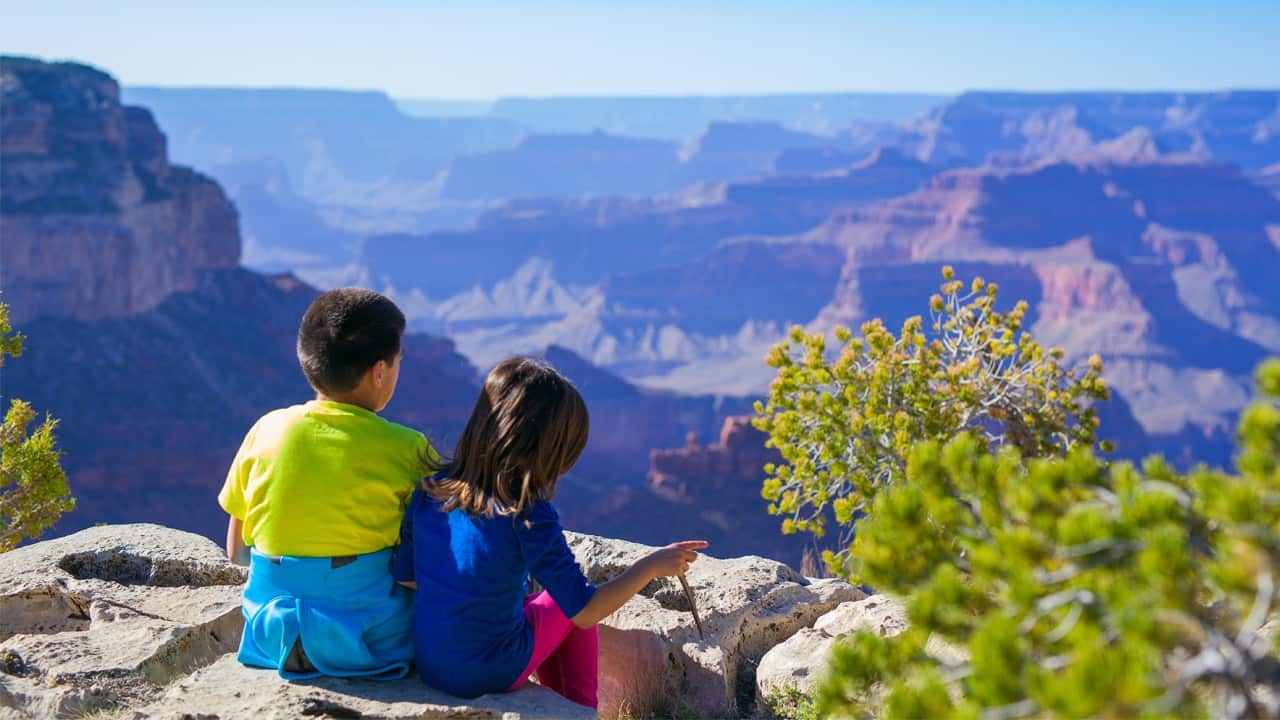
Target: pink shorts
x,y
565,657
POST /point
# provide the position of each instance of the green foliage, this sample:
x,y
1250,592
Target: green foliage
x,y
845,425
1077,588
791,703
33,486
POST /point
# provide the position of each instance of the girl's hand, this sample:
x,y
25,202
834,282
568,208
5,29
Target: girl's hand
x,y
670,560
673,559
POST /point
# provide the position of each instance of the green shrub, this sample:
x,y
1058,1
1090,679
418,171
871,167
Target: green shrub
x,y
1078,589
844,425
33,486
790,703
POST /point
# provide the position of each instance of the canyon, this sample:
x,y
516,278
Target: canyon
x,y
653,251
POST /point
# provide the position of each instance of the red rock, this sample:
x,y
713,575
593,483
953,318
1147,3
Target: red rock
x,y
96,223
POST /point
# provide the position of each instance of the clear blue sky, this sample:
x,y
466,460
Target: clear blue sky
x,y
488,48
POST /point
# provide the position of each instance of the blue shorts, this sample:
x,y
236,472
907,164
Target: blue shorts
x,y
352,618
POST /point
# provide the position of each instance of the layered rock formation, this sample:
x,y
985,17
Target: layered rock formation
x,y
626,422
155,397
714,491
740,150
681,118
563,166
587,240
328,141
1101,210
662,270
358,164
739,456
151,345
146,619
96,222
1134,262
1238,127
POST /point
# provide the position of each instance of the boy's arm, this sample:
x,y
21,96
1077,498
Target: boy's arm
x,y
232,499
237,551
402,556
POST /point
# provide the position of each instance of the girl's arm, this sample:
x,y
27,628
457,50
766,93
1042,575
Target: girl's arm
x,y
237,551
673,559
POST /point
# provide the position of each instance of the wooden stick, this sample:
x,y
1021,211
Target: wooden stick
x,y
693,605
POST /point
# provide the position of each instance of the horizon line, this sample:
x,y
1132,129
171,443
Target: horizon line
x,y
714,95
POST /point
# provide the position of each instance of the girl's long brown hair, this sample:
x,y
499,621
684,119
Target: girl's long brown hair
x,y
527,429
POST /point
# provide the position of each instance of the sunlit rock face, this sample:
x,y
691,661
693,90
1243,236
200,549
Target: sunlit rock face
x,y
154,349
145,620
96,222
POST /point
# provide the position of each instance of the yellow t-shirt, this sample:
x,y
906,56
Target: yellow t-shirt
x,y
324,479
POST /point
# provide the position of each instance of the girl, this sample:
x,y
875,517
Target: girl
x,y
475,532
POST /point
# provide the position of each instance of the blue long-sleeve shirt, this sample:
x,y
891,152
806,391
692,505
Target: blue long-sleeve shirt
x,y
469,630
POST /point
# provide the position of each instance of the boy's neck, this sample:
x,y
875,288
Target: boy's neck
x,y
351,398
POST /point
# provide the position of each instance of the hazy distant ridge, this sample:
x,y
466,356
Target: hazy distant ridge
x,y
679,118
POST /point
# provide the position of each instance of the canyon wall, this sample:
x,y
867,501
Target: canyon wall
x,y
96,223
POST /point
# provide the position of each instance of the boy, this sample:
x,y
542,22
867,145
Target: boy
x,y
316,495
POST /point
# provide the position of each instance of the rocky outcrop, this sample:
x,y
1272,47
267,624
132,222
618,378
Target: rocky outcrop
x,y
725,151
739,458
95,221
802,661
148,618
108,616
626,423
652,660
711,490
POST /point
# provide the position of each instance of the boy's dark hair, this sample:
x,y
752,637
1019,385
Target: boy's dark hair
x,y
343,334
527,429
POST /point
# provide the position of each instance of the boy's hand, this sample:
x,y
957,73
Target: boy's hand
x,y
673,559
237,551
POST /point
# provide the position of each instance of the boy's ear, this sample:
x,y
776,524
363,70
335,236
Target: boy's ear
x,y
379,371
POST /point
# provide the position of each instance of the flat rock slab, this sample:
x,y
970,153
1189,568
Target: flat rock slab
x,y
802,661
143,619
138,554
107,616
652,661
227,690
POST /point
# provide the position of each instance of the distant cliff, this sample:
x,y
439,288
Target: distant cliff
x,y
146,339
680,118
154,397
96,222
563,166
1239,127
